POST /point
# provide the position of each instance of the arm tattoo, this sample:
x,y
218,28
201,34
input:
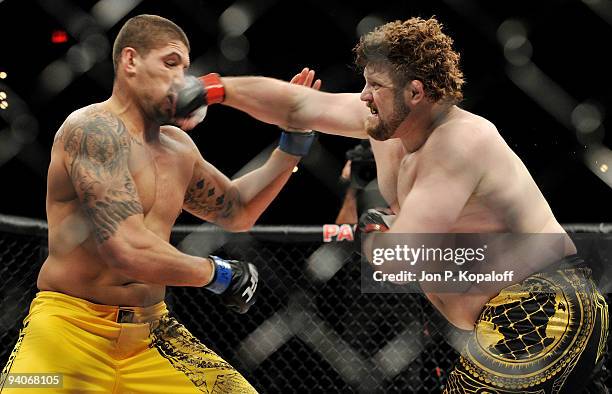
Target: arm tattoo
x,y
98,149
201,200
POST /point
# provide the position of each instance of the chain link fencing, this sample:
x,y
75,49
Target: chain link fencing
x,y
311,330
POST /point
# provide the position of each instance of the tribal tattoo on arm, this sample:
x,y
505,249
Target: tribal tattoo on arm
x,y
210,195
97,147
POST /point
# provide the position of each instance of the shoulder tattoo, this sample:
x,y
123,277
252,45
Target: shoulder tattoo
x,y
97,148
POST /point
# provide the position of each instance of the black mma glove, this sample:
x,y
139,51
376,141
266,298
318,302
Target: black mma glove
x,y
375,220
236,282
198,92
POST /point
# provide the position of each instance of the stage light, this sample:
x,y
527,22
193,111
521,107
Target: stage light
x,y
3,75
59,36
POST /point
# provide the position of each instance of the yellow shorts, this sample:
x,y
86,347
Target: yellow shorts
x,y
106,349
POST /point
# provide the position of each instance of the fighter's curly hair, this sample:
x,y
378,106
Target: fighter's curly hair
x,y
415,49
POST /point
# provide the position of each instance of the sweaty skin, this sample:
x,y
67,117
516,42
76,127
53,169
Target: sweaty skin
x,y
442,169
118,180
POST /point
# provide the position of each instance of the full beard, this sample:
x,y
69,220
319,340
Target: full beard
x,y
382,130
378,129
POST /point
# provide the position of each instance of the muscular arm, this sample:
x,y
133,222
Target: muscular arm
x,y
96,151
236,205
446,177
297,107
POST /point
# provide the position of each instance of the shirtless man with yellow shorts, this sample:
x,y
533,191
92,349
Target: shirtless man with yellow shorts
x,y
117,181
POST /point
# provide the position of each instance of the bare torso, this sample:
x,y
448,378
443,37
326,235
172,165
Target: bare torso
x,y
506,199
161,170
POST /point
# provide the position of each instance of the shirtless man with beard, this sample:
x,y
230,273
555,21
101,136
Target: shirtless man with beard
x,y
443,169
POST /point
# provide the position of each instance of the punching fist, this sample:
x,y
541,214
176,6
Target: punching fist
x,y
236,282
194,97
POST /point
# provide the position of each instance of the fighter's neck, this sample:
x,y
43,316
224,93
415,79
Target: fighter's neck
x,y
132,116
423,122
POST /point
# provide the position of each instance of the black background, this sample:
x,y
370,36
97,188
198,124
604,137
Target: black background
x,y
569,41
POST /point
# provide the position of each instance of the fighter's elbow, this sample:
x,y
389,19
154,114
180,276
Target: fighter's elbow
x,y
237,215
116,252
241,228
122,255
239,224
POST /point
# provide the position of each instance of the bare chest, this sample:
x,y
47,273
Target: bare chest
x,y
161,176
397,177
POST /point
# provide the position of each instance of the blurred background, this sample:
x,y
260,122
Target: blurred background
x,y
538,70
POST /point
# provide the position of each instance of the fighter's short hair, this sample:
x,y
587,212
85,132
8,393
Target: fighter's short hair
x,y
146,32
